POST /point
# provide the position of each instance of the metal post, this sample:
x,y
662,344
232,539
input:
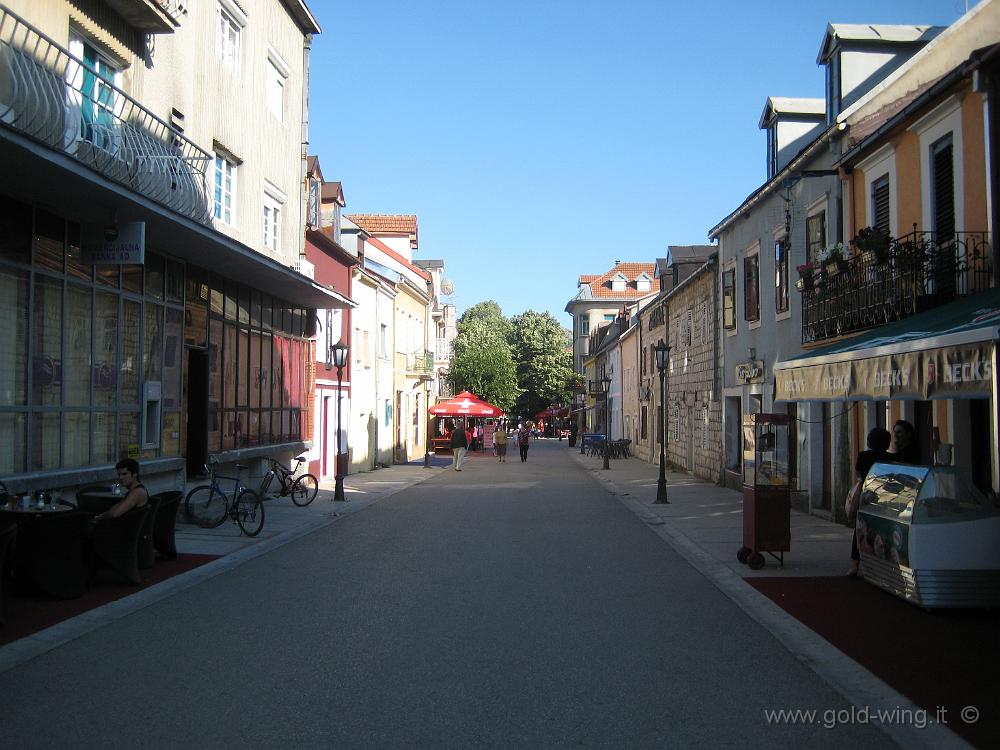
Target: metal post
x,y
607,430
338,487
662,354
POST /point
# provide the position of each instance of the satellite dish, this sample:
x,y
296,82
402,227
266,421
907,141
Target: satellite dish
x,y
447,287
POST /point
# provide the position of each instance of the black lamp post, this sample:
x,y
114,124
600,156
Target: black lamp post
x,y
339,352
582,429
606,387
662,359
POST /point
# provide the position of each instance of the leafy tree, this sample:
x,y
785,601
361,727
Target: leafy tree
x,y
544,361
482,362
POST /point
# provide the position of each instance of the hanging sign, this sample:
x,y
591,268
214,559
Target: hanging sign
x,y
114,244
750,372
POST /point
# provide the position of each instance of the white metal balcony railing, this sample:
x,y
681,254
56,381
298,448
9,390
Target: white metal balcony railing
x,y
442,349
59,100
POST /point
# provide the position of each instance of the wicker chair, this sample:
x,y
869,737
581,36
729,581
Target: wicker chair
x,y
146,553
49,552
166,522
7,534
115,544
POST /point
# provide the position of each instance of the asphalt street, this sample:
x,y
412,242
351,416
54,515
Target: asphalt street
x,y
509,605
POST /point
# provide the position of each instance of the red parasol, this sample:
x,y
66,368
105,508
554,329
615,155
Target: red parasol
x,y
465,404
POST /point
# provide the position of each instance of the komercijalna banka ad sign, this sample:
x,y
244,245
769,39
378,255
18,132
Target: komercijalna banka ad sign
x,y
114,244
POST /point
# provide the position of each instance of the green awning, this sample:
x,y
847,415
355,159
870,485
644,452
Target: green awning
x,y
947,352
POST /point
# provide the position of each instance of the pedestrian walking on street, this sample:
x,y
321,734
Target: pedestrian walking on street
x,y
459,445
500,443
524,441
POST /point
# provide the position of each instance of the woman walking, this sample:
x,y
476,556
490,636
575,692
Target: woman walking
x,y
524,441
500,442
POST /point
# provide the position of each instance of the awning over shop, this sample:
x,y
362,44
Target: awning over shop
x,y
465,404
946,352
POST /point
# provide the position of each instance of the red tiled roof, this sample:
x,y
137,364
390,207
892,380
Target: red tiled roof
x,y
387,224
600,284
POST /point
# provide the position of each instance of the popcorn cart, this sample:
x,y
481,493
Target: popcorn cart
x,y
927,535
766,492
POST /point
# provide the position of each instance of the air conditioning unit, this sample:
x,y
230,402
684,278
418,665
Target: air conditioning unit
x,y
306,268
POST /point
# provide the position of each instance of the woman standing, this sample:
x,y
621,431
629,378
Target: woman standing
x,y
878,446
500,441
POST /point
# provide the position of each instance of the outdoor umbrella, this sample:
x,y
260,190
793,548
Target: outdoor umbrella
x,y
465,404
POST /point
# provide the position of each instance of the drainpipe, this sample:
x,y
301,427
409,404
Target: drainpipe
x,y
716,355
304,155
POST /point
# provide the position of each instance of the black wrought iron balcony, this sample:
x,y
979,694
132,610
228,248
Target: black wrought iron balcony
x,y
60,101
917,272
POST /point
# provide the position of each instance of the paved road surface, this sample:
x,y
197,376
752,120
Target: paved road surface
x,y
510,605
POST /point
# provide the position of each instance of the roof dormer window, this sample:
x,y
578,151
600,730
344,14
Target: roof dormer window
x,y
643,282
618,283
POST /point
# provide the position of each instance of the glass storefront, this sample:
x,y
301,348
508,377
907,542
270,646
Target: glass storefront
x,y
84,349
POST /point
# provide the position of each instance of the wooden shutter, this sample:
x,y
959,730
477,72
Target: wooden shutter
x,y
880,203
943,184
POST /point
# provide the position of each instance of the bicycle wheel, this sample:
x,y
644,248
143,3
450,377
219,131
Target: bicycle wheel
x,y
304,490
205,506
250,512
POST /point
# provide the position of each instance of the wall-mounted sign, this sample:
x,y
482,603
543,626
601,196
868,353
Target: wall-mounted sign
x,y
750,372
114,244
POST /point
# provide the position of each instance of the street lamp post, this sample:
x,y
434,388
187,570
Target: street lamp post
x,y
339,351
606,387
582,429
662,358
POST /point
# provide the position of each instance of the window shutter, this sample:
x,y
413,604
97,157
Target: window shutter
x,y
880,204
944,188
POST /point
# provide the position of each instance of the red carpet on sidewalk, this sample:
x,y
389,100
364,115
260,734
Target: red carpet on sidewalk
x,y
948,658
27,612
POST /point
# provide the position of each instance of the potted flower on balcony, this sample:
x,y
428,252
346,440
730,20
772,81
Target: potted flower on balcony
x,y
873,244
833,259
807,277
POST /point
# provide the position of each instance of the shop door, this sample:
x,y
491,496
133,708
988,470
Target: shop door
x,y
197,410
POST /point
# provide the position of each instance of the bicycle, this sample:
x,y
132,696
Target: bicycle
x,y
208,506
303,489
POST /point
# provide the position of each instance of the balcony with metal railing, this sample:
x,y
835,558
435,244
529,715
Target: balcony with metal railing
x,y
420,362
442,349
151,16
60,101
914,273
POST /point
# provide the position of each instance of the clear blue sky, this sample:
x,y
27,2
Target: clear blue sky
x,y
538,140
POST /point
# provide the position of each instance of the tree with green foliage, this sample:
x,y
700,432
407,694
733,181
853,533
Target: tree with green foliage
x,y
482,362
544,361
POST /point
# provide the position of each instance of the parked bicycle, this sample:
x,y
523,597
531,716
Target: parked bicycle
x,y
303,488
208,506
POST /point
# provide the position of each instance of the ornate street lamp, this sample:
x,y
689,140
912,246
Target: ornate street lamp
x,y
339,353
662,350
606,388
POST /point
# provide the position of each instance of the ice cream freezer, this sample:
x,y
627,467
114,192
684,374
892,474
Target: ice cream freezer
x,y
928,535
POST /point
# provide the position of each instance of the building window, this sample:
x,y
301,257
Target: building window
x,y
729,299
705,330
224,189
644,423
383,341
584,325
230,22
273,210
781,275
689,328
880,204
943,188
815,235
97,97
751,287
275,92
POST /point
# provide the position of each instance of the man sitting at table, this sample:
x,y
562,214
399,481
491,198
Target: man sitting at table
x,y
135,494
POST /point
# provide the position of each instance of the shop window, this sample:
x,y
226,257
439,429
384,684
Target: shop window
x,y
13,338
15,231
13,432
